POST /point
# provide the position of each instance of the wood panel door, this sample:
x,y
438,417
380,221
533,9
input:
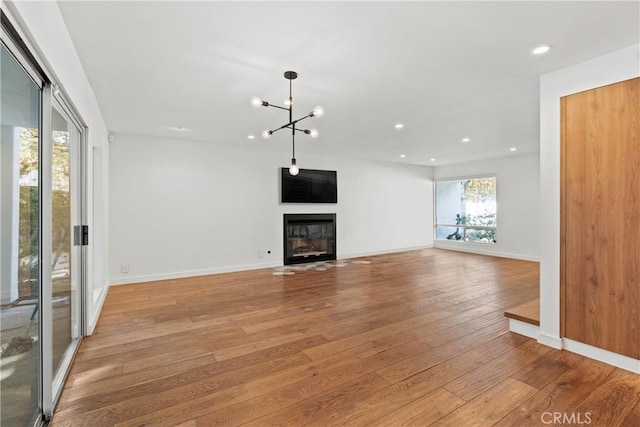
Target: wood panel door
x,y
600,218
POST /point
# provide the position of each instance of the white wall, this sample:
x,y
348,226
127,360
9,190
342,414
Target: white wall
x,y
43,30
614,67
181,208
518,196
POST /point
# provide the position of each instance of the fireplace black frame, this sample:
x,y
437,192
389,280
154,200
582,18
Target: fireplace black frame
x,y
289,219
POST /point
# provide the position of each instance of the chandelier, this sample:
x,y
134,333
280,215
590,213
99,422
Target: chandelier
x,y
317,112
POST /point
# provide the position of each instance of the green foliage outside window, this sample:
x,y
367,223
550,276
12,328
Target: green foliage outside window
x,y
29,203
477,191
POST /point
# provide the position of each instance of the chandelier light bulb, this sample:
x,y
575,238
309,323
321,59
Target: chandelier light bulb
x,y
293,170
313,133
266,134
256,102
318,111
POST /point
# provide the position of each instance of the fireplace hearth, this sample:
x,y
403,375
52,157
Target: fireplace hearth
x,y
309,237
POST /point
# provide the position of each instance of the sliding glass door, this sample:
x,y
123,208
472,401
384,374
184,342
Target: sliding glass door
x,y
66,240
20,359
42,247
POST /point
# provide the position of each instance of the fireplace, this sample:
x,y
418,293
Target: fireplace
x,y
309,237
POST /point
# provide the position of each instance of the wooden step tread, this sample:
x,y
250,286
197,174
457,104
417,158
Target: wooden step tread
x,y
529,312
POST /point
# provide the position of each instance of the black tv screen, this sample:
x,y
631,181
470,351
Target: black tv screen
x,y
309,186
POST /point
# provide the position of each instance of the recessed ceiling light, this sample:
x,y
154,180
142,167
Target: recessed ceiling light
x,y
178,128
540,50
251,137
466,139
402,156
399,126
432,159
512,149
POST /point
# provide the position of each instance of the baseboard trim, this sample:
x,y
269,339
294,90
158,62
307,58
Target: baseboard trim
x,y
98,303
471,248
523,328
609,357
191,273
550,341
219,270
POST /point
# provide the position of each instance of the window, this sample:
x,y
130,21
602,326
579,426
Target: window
x,y
466,210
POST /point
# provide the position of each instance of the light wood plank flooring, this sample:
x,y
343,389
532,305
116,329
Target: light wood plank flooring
x,y
529,312
415,338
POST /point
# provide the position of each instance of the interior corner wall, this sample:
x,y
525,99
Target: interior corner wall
x,y
518,201
43,29
615,67
181,208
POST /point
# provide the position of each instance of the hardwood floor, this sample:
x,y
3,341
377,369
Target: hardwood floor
x,y
529,312
415,338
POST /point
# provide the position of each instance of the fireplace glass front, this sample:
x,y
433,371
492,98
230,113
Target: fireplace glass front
x,y
309,237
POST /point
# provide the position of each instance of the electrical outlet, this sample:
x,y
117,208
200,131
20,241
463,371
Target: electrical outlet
x,y
124,268
264,253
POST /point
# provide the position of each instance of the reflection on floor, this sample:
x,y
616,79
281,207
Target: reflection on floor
x,y
20,366
289,270
19,371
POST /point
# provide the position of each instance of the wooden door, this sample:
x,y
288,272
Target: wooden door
x,y
600,217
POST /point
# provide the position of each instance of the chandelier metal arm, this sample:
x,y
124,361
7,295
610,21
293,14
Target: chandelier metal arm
x,y
291,125
276,106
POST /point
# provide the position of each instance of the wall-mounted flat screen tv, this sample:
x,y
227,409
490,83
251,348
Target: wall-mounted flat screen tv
x,y
309,186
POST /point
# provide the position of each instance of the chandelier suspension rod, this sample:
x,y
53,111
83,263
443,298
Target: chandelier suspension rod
x,y
291,122
290,102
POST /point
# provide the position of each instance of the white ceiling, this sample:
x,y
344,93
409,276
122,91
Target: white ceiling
x,y
446,70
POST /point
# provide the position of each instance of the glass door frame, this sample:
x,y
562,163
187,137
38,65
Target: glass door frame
x,y
77,160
